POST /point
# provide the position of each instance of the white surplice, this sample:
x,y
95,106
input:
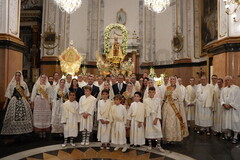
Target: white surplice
x,y
231,118
204,100
162,90
119,120
67,85
70,119
136,114
82,84
87,105
104,110
153,110
190,99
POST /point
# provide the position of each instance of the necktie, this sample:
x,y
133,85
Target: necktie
x,y
120,86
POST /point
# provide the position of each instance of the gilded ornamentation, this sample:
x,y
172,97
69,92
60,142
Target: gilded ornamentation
x,y
107,35
70,60
49,39
115,53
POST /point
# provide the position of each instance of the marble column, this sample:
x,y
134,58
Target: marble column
x,y
11,47
95,28
147,34
60,22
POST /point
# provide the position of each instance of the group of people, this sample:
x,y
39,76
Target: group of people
x,y
120,107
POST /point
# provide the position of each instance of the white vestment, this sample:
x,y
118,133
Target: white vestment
x,y
136,114
70,119
87,105
104,110
203,112
231,118
119,120
137,86
217,110
153,110
162,89
67,85
82,84
190,99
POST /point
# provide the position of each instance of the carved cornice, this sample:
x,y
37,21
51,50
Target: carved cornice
x,y
228,44
8,41
176,65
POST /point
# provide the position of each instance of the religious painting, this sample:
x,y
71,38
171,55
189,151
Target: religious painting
x,y
209,22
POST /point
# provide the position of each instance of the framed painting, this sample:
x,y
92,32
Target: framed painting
x,y
208,11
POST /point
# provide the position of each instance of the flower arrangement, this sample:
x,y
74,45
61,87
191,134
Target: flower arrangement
x,y
107,35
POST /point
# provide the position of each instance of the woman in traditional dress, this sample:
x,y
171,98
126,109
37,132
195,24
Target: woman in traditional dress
x,y
152,83
41,102
174,126
128,99
128,94
18,117
75,88
59,97
108,87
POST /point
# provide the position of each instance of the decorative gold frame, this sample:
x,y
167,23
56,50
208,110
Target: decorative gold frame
x,y
121,11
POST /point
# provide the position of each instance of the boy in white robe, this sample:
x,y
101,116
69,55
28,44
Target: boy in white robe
x,y
70,119
230,100
153,129
119,120
103,116
87,105
136,117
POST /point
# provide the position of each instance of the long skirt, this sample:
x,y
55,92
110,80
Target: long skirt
x,y
41,114
57,127
171,127
18,118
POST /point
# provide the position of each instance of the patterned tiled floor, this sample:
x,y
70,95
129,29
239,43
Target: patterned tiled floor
x,y
96,154
93,152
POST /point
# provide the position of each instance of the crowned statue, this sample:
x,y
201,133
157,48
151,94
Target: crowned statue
x,y
115,55
115,52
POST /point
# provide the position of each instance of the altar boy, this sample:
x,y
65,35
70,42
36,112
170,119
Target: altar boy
x,y
70,119
153,129
136,116
87,105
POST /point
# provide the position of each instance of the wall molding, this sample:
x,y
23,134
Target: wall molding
x,y
177,65
8,41
228,44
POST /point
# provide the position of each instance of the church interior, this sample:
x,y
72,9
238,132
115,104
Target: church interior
x,y
188,39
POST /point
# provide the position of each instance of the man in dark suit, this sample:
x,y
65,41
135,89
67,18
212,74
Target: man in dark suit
x,y
95,89
119,87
